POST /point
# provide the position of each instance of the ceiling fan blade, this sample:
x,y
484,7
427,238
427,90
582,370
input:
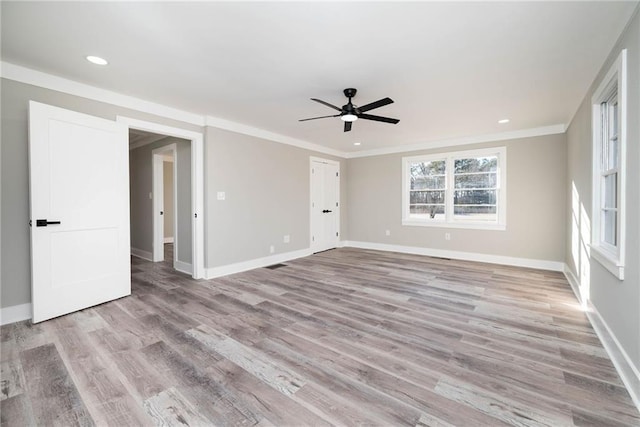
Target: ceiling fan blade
x,y
347,126
378,118
327,104
321,117
377,104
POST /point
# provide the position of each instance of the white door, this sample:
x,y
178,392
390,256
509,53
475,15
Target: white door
x,y
79,194
325,204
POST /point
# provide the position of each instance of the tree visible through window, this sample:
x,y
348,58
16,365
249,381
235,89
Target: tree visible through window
x,y
428,181
475,183
455,188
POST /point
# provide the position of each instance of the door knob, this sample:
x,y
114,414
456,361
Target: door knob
x,y
326,211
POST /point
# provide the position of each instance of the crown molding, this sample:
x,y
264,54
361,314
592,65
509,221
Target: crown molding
x,y
48,81
271,136
467,140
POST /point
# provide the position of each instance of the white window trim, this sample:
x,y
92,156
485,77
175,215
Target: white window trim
x,y
612,258
449,222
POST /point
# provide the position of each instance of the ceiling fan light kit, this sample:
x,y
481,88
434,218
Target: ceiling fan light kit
x,y
349,112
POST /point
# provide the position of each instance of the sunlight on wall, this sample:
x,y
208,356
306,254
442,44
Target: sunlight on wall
x,y
580,238
575,228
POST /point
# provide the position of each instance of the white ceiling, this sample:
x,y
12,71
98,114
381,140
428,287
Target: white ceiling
x,y
452,68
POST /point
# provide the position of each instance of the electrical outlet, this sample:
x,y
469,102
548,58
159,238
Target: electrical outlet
x,y
272,249
387,232
447,236
286,239
221,195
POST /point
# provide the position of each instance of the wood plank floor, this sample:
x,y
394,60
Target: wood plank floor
x,y
344,337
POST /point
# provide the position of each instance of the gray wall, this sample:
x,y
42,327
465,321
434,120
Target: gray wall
x,y
141,184
618,302
535,203
15,285
167,197
267,196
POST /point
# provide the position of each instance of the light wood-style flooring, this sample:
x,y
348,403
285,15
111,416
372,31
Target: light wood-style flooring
x,y
343,337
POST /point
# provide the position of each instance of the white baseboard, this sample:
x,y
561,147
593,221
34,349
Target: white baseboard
x,y
225,270
624,365
183,267
142,254
15,313
168,239
575,285
465,256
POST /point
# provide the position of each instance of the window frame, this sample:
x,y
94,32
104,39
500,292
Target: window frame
x,y
611,257
449,220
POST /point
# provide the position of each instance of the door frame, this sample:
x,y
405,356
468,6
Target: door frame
x,y
197,183
159,157
311,207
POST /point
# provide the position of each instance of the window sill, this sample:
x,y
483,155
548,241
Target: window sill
x,y
614,266
467,225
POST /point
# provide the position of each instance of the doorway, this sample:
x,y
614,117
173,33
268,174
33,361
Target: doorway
x,y
325,204
193,208
165,205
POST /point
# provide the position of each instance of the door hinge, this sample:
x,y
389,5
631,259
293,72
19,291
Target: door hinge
x,y
336,173
195,215
336,234
336,204
313,238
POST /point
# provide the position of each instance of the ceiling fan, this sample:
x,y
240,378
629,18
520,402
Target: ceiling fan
x,y
349,113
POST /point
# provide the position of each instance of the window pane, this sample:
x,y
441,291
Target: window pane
x,y
613,118
612,153
477,180
474,197
434,212
475,213
427,182
609,225
478,164
429,197
434,167
610,191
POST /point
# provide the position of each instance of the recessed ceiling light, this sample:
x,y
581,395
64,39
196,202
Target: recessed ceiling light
x,y
503,121
97,60
357,143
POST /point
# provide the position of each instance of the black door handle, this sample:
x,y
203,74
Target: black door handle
x,y
326,211
44,222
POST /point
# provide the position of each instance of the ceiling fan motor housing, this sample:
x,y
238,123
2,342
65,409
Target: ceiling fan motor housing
x,y
350,92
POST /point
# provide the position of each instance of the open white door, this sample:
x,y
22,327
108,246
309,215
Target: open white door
x,y
79,194
325,205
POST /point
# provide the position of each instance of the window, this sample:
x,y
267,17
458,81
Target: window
x,y
461,189
609,133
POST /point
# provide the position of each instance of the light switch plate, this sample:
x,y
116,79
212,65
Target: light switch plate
x,y
221,195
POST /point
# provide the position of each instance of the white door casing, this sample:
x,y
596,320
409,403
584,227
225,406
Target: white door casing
x,y
197,183
325,204
79,176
